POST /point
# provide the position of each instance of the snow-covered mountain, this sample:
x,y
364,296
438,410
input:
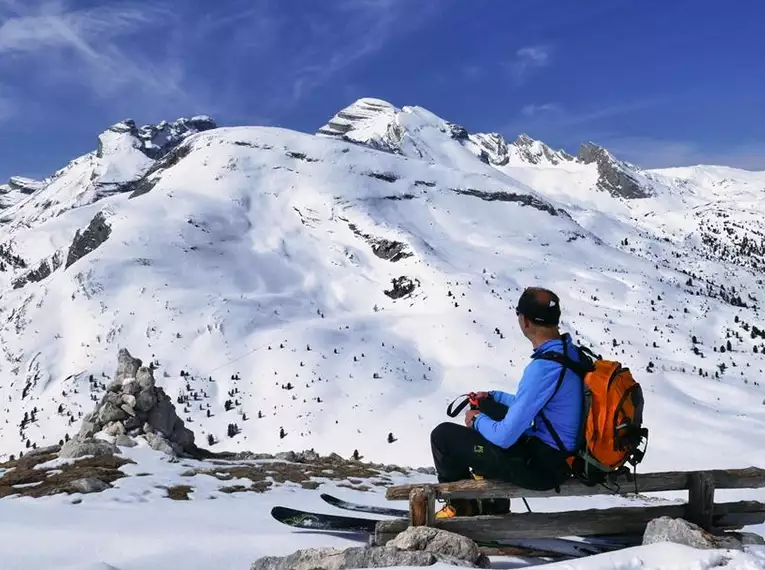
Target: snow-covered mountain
x,y
337,290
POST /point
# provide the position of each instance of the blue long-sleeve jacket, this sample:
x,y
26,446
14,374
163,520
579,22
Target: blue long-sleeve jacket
x,y
536,386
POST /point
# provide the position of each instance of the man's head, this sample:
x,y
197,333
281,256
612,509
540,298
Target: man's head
x,y
538,313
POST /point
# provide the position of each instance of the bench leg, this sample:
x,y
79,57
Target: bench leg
x,y
701,500
422,507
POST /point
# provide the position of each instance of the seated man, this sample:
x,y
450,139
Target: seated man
x,y
518,448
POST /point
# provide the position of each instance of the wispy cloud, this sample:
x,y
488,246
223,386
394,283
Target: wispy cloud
x,y
367,27
93,47
543,109
529,58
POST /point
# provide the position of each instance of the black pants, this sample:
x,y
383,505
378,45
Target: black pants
x,y
529,463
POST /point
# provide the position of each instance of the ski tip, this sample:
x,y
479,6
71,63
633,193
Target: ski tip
x,y
279,510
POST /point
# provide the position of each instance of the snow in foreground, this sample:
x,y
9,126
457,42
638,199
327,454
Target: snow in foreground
x,y
134,526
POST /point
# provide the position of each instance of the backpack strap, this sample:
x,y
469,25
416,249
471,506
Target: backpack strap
x,y
579,368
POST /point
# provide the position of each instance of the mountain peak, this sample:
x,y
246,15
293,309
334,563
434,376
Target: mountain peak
x,y
367,121
617,177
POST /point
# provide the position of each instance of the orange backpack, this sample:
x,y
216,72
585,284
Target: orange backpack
x,y
612,429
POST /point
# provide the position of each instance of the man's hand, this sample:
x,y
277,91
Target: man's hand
x,y
480,395
470,417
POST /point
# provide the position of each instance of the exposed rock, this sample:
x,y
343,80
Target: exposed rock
x,y
87,429
286,456
76,447
144,377
146,183
154,141
124,441
417,546
370,122
402,286
159,443
42,271
115,429
537,152
95,234
162,416
457,132
42,451
680,531
145,400
150,413
89,485
523,199
127,366
428,539
616,177
110,412
360,557
389,250
25,185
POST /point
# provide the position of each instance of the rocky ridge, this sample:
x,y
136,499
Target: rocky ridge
x,y
616,177
380,125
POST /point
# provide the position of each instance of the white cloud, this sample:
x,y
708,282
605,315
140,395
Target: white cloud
x,y
535,110
529,58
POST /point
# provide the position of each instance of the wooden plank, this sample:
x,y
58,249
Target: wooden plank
x,y
592,522
522,552
748,478
422,506
701,500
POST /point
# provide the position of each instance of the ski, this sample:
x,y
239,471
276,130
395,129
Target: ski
x,y
324,522
361,508
320,521
601,542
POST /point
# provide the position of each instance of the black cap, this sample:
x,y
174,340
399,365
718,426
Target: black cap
x,y
540,306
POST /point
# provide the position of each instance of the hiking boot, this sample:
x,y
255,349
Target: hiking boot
x,y
458,508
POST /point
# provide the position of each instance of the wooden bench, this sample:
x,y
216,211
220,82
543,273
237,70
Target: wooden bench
x,y
700,507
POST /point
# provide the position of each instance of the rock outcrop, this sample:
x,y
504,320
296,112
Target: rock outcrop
x,y
370,122
84,242
615,177
154,141
24,185
417,546
680,531
133,406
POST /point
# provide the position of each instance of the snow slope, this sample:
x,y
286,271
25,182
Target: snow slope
x,y
337,291
257,260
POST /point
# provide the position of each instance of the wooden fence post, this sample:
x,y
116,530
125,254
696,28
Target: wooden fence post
x,y
422,506
701,500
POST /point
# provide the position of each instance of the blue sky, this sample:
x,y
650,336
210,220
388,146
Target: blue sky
x,y
657,82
